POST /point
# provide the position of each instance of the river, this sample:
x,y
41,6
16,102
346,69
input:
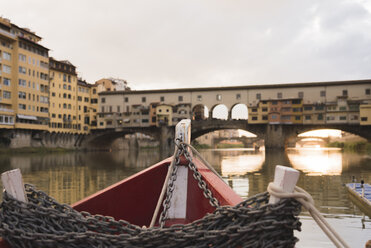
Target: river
x,y
69,177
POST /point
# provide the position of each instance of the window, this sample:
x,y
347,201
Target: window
x,y
258,96
264,109
279,95
144,99
298,118
22,82
22,70
345,92
308,117
103,99
265,117
301,94
319,107
180,98
102,109
368,91
7,56
364,118
308,108
342,108
64,77
7,69
86,99
322,93
6,94
238,96
199,98
254,118
320,117
274,117
22,106
342,118
6,81
4,119
254,110
162,98
118,109
21,95
274,102
218,97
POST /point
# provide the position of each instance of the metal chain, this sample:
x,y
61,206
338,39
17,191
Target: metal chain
x,y
197,175
169,190
43,222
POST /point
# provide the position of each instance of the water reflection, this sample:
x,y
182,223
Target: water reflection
x,y
241,164
69,177
316,162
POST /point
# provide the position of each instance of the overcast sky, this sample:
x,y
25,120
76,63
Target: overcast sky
x,y
202,43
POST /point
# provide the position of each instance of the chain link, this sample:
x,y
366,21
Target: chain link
x,y
183,150
43,222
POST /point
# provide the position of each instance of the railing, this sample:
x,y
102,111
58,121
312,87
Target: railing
x,y
7,33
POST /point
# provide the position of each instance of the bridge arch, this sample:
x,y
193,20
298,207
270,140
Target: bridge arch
x,y
200,112
220,111
239,111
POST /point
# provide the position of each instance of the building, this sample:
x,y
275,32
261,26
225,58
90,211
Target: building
x,y
63,98
365,114
86,106
24,70
111,84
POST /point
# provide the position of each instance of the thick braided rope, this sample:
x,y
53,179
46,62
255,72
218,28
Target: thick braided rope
x,y
307,201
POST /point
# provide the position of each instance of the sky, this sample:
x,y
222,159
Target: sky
x,y
192,43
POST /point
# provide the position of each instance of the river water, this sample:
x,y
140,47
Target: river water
x,y
69,177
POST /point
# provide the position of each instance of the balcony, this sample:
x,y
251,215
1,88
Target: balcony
x,y
7,34
66,120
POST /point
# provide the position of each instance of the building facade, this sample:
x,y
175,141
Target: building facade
x,y
24,79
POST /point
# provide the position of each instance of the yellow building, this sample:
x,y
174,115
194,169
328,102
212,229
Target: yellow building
x,y
164,115
24,79
365,114
93,106
63,102
258,114
83,106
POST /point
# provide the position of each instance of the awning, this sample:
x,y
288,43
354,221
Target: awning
x,y
27,117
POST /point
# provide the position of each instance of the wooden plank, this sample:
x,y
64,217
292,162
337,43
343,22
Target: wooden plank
x,y
178,201
13,184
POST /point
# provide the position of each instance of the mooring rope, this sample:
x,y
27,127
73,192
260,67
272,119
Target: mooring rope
x,y
307,201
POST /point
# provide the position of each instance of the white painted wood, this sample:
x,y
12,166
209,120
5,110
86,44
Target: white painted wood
x,y
178,202
285,178
183,131
13,184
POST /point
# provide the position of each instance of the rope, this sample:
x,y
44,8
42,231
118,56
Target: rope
x,y
307,201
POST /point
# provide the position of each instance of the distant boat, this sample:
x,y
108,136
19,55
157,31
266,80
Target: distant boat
x,y
361,196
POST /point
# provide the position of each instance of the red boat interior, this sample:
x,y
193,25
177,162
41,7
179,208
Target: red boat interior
x,y
134,199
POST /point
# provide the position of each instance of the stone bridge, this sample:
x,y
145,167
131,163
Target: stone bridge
x,y
274,136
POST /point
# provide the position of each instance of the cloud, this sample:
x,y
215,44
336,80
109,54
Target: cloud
x,y
173,43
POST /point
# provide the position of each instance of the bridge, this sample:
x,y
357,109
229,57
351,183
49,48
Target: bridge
x,y
274,136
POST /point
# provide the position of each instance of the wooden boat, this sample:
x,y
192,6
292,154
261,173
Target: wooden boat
x,y
361,199
134,199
